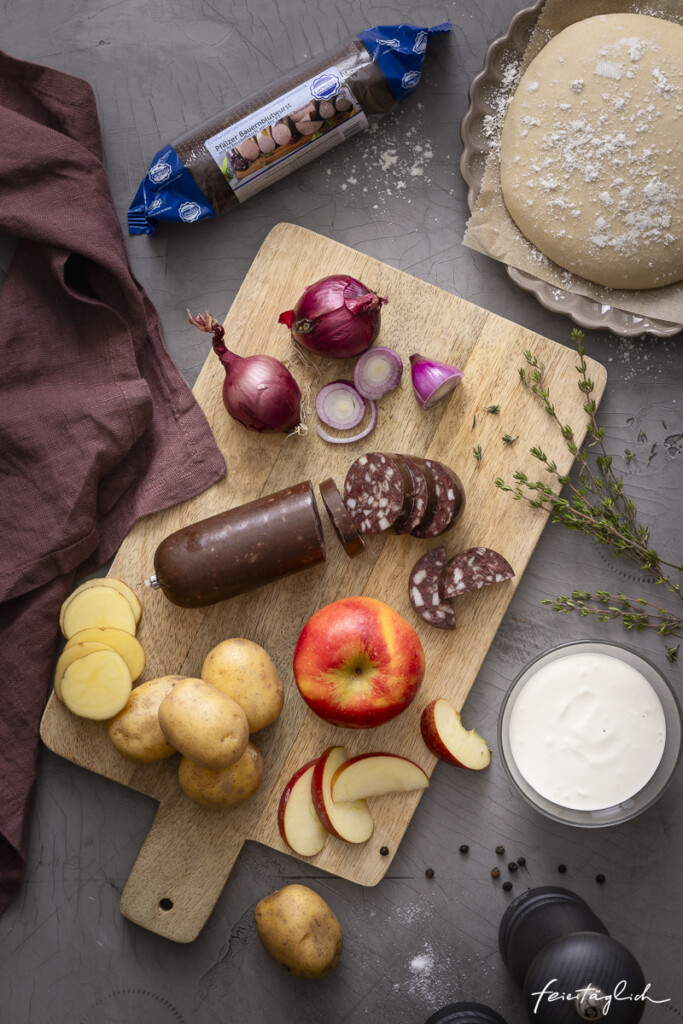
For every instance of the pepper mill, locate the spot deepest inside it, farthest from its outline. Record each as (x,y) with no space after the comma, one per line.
(465,1013)
(566,963)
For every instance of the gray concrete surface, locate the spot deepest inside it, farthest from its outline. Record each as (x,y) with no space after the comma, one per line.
(412,943)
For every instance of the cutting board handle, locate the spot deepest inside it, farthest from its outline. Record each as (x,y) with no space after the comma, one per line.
(181,870)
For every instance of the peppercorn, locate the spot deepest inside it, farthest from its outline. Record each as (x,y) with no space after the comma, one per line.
(384,851)
(507,886)
(600,879)
(464,848)
(521,861)
(512,866)
(495,873)
(429,873)
(500,850)
(562,868)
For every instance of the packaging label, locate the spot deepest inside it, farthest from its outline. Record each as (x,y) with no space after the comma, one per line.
(285,134)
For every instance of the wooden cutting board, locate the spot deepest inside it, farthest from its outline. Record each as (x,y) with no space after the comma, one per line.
(190,850)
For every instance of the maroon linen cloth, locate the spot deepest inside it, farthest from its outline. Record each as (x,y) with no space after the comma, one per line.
(97,426)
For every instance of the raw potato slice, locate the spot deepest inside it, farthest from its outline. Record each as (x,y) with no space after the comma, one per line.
(97,606)
(97,686)
(72,653)
(129,647)
(106,581)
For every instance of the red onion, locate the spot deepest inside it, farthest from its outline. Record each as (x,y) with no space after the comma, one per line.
(356,437)
(377,372)
(258,391)
(339,405)
(337,316)
(432,381)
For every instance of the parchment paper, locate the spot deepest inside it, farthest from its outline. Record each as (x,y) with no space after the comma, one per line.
(491,230)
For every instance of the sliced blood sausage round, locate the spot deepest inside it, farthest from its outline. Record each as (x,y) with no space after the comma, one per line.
(378,493)
(423,590)
(450,501)
(424,489)
(342,522)
(473,569)
(241,549)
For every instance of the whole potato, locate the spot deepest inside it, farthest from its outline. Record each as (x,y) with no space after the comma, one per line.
(135,731)
(246,673)
(204,724)
(222,787)
(299,930)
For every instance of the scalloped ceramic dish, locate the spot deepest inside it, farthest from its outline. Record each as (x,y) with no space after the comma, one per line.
(583,311)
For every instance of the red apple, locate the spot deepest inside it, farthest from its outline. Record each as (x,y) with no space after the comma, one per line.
(350,820)
(445,735)
(358,663)
(376,775)
(299,824)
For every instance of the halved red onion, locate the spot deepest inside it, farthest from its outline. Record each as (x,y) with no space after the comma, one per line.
(356,437)
(377,372)
(339,405)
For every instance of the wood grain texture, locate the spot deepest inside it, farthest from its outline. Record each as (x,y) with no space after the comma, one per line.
(189,851)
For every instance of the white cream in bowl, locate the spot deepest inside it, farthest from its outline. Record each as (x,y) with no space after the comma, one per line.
(587,731)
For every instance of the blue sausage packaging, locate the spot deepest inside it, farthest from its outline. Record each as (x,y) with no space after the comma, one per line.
(284,126)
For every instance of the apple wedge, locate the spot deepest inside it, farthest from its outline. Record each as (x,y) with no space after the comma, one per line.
(350,820)
(447,738)
(299,824)
(376,774)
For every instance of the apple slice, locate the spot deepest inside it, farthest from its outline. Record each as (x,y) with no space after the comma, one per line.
(299,824)
(376,775)
(445,735)
(350,820)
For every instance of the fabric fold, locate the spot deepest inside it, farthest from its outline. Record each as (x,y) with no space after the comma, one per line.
(97,426)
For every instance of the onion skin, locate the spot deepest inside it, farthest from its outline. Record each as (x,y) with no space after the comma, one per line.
(258,391)
(336,316)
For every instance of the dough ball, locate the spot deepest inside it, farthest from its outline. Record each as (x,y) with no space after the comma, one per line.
(591,163)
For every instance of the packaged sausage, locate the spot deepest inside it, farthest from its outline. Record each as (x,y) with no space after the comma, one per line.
(264,138)
(240,549)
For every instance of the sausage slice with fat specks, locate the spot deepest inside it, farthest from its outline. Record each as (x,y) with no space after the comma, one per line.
(450,501)
(473,569)
(423,590)
(424,485)
(378,493)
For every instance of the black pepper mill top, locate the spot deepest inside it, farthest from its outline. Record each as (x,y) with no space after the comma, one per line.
(568,965)
(465,1013)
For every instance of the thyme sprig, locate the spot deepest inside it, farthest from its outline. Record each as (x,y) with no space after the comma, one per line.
(633,613)
(595,505)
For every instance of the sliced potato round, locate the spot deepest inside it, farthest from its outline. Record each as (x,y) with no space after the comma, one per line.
(106,581)
(129,647)
(73,653)
(135,730)
(98,606)
(97,685)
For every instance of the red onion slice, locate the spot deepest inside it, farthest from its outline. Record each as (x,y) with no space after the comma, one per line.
(339,405)
(377,372)
(356,437)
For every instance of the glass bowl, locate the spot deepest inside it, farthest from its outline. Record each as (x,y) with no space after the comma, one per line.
(652,789)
